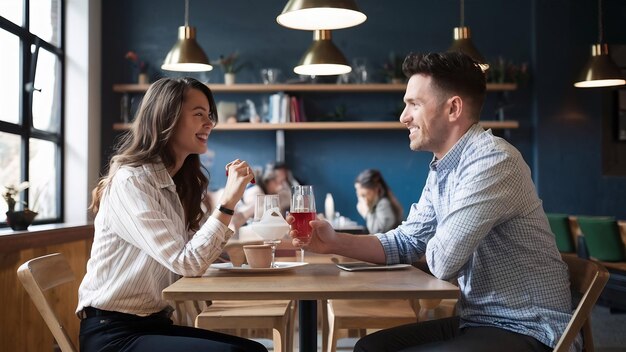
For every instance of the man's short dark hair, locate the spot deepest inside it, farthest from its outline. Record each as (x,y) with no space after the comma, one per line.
(453,73)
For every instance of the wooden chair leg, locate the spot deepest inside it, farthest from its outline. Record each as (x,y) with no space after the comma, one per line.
(332,331)
(588,337)
(325,333)
(289,324)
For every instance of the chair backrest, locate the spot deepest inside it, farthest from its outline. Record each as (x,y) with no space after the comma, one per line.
(602,237)
(39,275)
(588,279)
(559,224)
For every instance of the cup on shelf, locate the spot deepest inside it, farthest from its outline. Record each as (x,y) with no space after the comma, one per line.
(360,70)
(270,75)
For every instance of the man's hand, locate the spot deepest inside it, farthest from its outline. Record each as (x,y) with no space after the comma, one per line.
(323,236)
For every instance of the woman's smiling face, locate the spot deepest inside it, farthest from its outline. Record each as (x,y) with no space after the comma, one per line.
(194,126)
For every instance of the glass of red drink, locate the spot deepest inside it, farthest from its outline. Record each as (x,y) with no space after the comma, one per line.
(303,211)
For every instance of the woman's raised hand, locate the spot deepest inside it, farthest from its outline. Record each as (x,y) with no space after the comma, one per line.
(239,174)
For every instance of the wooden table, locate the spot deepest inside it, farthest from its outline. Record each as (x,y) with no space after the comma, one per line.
(308,284)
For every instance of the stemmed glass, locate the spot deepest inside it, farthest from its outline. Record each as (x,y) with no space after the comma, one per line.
(303,210)
(360,70)
(271,227)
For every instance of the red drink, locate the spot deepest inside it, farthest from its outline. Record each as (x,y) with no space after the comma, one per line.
(301,224)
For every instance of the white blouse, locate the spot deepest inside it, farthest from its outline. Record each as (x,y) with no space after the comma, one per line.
(141,244)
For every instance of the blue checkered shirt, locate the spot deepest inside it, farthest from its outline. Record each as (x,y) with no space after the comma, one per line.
(479,220)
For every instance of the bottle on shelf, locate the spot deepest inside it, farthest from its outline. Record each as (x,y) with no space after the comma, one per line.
(125,108)
(329,207)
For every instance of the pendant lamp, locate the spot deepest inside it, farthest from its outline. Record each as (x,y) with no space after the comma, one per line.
(322,58)
(186,55)
(320,14)
(463,42)
(600,70)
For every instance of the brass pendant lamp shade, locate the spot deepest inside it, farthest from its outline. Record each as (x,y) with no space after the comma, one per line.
(186,55)
(463,43)
(320,14)
(322,58)
(600,70)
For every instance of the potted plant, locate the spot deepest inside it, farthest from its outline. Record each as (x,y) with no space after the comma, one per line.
(18,220)
(392,68)
(506,71)
(141,66)
(230,66)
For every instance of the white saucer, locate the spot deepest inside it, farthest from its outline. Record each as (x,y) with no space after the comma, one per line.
(279,266)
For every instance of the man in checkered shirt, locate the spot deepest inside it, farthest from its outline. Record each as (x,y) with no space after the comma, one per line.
(479,221)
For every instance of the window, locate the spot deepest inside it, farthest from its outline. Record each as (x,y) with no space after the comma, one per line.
(31,96)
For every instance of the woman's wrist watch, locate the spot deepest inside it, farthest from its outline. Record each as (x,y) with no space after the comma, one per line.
(225,210)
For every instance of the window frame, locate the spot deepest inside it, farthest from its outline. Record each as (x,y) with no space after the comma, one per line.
(24,128)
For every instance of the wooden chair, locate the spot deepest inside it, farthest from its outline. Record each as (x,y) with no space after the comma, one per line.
(39,275)
(277,315)
(363,314)
(587,278)
(378,314)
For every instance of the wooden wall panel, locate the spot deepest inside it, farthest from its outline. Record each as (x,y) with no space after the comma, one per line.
(21,327)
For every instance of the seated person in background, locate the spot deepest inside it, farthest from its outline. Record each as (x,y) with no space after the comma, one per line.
(478,220)
(282,181)
(275,182)
(376,203)
(284,174)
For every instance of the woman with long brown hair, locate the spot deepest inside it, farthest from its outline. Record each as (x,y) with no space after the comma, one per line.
(376,202)
(150,226)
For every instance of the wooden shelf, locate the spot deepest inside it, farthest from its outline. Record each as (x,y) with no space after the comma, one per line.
(386,125)
(269,88)
(328,88)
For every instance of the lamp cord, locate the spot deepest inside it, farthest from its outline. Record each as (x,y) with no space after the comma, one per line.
(600,29)
(462,13)
(186,13)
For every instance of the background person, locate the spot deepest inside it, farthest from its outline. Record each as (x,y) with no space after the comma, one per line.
(376,203)
(280,179)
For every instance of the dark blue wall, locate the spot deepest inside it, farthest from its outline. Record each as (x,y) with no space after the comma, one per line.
(569,120)
(522,31)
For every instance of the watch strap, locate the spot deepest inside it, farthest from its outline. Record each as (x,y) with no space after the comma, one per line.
(225,210)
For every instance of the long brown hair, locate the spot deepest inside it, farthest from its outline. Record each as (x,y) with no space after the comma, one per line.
(373,179)
(148,142)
